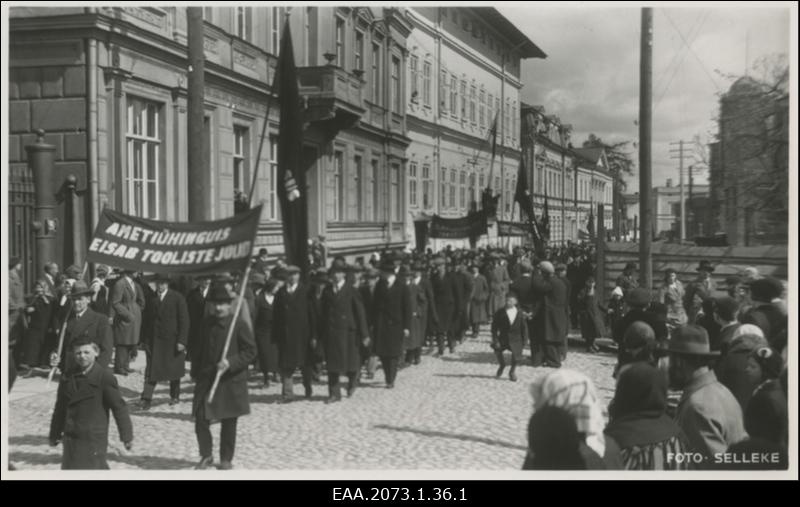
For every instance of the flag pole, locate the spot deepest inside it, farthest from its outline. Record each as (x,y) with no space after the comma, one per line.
(231,328)
(64,330)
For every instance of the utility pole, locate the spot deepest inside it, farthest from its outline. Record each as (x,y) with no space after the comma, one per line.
(198,175)
(679,156)
(645,131)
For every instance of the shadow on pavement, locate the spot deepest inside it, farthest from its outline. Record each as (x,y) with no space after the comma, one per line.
(276,398)
(151,462)
(162,415)
(456,436)
(472,357)
(34,458)
(462,375)
(29,440)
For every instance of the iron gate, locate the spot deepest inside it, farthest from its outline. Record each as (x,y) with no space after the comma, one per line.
(21,242)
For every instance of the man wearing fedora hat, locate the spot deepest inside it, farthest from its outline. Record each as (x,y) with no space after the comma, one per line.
(701,289)
(85,323)
(707,413)
(393,320)
(447,297)
(231,399)
(166,345)
(550,322)
(127,303)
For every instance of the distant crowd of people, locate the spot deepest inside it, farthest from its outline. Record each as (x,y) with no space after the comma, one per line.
(724,353)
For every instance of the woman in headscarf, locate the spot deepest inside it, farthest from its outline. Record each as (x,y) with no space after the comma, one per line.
(553,441)
(648,438)
(574,392)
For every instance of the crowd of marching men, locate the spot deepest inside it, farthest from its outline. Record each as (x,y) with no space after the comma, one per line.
(725,356)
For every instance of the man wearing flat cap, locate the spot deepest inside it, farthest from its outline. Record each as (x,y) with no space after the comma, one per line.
(231,399)
(84,323)
(166,345)
(343,330)
(708,413)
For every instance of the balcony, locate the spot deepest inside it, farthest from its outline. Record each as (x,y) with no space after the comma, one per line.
(334,96)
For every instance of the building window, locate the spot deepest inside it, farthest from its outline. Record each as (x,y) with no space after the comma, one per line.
(413,64)
(427,69)
(482,109)
(462,90)
(443,190)
(376,191)
(396,99)
(471,194)
(339,42)
(462,190)
(452,188)
(490,110)
(144,158)
(274,209)
(241,158)
(397,209)
(412,184)
(275,29)
(359,54)
(453,95)
(244,23)
(514,122)
(338,186)
(307,35)
(358,161)
(472,103)
(426,186)
(376,73)
(507,198)
(506,117)
(443,92)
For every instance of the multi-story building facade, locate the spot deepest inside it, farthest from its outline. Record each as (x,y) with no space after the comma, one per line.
(666,206)
(109,87)
(463,71)
(749,164)
(573,181)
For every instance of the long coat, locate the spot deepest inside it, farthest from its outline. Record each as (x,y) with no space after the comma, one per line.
(478,298)
(498,287)
(127,304)
(39,327)
(81,415)
(294,326)
(590,315)
(509,335)
(368,302)
(447,295)
(170,328)
(231,399)
(265,344)
(93,325)
(100,302)
(551,321)
(466,296)
(343,326)
(394,315)
(418,296)
(196,304)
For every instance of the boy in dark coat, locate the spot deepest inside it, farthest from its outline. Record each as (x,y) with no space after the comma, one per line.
(86,394)
(231,399)
(509,329)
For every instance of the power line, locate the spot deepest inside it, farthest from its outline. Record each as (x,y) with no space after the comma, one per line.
(692,51)
(683,53)
(678,53)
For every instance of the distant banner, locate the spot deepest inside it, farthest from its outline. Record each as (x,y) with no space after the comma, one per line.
(470,226)
(128,242)
(513,229)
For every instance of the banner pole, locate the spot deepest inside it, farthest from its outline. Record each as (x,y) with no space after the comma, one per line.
(64,330)
(230,329)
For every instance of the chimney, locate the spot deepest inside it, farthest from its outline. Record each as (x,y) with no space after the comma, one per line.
(669,182)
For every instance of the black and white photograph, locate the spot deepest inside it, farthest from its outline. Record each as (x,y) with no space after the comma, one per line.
(399,241)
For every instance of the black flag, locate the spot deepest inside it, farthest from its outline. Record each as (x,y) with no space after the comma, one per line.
(291,184)
(523,197)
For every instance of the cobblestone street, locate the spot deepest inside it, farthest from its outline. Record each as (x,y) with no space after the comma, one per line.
(447,413)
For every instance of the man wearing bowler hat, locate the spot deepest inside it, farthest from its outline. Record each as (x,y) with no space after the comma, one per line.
(166,345)
(707,413)
(231,399)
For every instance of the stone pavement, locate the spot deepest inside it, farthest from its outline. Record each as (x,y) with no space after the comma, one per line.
(447,413)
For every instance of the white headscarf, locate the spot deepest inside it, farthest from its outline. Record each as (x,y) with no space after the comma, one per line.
(746,329)
(574,392)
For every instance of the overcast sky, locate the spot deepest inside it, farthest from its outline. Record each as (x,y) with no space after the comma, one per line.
(590,77)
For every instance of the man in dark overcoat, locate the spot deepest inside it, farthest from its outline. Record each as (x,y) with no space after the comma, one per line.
(295,332)
(196,304)
(393,324)
(127,303)
(447,294)
(550,320)
(367,293)
(166,345)
(262,328)
(84,322)
(86,394)
(231,399)
(343,328)
(422,309)
(509,332)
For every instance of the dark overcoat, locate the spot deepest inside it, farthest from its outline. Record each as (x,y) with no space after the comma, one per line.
(394,315)
(231,399)
(127,304)
(418,297)
(265,344)
(371,316)
(590,315)
(294,326)
(196,305)
(550,321)
(94,326)
(509,335)
(478,298)
(466,296)
(170,328)
(80,418)
(343,326)
(448,297)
